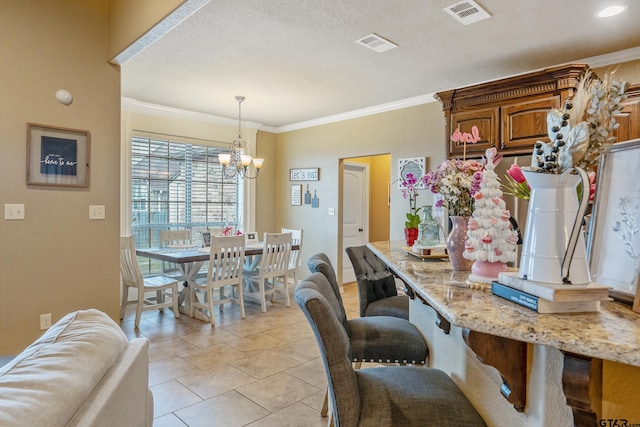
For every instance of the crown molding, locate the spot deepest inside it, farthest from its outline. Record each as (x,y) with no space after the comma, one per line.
(148,109)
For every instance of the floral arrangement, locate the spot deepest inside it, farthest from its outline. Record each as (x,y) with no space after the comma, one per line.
(410,191)
(516,184)
(581,131)
(228,231)
(457,181)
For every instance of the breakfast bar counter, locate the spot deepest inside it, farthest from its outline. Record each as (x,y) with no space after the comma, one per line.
(550,365)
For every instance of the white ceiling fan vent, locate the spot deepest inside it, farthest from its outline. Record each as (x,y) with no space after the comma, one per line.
(467,12)
(377,43)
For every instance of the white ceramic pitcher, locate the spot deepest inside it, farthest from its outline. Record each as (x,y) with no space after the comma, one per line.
(553,250)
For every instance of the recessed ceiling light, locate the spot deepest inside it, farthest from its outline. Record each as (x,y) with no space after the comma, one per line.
(611,10)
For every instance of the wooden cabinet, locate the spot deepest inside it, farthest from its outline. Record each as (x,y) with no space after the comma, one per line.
(511,113)
(629,117)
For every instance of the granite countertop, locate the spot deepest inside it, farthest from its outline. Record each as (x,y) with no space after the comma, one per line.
(611,334)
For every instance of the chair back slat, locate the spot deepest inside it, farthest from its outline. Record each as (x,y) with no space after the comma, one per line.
(275,254)
(129,267)
(175,237)
(226,260)
(296,239)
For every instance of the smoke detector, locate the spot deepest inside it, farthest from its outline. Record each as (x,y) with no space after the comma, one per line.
(377,43)
(467,12)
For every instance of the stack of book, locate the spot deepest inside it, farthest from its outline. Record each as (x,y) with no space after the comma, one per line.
(548,297)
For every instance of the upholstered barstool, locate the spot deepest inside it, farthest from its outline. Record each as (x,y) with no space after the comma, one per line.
(383,396)
(377,291)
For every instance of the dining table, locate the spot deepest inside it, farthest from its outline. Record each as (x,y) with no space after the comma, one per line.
(190,260)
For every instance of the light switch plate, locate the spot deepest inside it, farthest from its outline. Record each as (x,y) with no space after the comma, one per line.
(13,211)
(332,211)
(96,212)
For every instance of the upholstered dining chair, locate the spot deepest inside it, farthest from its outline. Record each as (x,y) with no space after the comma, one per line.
(225,271)
(271,273)
(377,293)
(381,339)
(132,278)
(383,396)
(295,261)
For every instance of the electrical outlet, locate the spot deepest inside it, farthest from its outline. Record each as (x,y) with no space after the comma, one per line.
(45,321)
(96,212)
(13,211)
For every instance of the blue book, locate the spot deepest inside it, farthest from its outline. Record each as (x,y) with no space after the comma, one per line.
(542,305)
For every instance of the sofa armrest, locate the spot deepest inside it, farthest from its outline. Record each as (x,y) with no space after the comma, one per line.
(122,397)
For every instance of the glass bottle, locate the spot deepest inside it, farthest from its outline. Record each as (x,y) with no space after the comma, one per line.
(429,229)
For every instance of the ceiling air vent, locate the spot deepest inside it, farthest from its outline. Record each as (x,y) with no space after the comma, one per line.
(377,43)
(467,12)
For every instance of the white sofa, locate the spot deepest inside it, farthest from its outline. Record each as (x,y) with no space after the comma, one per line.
(83,371)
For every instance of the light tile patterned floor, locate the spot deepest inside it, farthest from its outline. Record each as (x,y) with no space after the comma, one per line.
(264,370)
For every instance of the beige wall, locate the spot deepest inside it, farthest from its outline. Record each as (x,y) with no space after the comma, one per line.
(56,260)
(410,132)
(130,20)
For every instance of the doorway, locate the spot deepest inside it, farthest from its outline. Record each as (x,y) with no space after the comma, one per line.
(364,206)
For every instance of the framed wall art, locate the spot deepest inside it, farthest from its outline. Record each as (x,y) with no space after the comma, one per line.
(296,194)
(57,156)
(415,166)
(614,235)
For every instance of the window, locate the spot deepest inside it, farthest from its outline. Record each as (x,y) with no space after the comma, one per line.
(177,185)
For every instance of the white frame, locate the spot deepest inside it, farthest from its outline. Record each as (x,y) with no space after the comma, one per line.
(251,237)
(414,165)
(618,177)
(296,194)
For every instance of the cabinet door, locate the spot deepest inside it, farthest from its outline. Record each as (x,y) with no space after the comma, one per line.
(629,121)
(487,123)
(525,123)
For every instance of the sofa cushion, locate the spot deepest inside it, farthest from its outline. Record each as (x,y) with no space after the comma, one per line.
(49,381)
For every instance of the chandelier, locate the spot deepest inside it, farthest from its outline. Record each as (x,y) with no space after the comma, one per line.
(238,161)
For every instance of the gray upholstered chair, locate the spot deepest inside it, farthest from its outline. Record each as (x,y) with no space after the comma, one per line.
(386,396)
(384,339)
(377,291)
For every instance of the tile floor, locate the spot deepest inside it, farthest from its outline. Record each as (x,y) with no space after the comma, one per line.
(264,370)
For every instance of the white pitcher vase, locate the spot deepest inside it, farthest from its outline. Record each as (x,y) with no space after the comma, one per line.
(553,250)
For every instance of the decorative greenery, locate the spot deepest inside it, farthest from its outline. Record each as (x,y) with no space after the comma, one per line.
(605,101)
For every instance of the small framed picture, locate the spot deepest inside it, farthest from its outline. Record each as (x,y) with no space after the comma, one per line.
(614,237)
(251,237)
(57,156)
(296,194)
(206,239)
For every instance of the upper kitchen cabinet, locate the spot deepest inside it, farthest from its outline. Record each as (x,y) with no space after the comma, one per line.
(511,113)
(629,117)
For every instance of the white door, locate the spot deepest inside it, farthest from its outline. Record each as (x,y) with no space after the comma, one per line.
(355,212)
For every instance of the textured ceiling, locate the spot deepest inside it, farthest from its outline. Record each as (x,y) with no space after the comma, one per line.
(297,60)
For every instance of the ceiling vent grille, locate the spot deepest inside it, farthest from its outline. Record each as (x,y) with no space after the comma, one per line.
(377,43)
(467,12)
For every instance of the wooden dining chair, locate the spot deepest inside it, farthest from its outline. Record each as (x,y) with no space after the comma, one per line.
(170,238)
(226,263)
(132,278)
(294,259)
(175,237)
(271,272)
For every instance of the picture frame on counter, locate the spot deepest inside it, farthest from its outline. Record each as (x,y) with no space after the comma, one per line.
(58,156)
(614,235)
(308,174)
